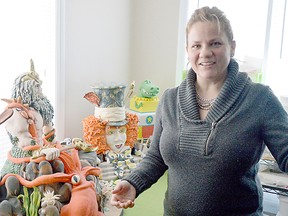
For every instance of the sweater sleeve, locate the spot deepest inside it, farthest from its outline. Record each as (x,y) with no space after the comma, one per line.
(152,167)
(275,130)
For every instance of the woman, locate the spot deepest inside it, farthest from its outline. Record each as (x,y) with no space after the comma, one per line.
(210,131)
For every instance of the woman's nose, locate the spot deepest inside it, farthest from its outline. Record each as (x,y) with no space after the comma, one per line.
(205,52)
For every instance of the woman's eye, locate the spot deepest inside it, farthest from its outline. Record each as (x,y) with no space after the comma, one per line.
(196,46)
(216,44)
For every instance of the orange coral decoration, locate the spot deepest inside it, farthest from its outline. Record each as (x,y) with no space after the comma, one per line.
(132,129)
(94,132)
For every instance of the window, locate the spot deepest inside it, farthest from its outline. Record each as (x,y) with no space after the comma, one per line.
(260,30)
(277,55)
(28,31)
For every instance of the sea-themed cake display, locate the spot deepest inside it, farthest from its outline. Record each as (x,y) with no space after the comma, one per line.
(144,105)
(113,131)
(41,176)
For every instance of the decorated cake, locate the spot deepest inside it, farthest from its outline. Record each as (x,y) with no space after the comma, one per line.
(144,105)
(41,176)
(113,131)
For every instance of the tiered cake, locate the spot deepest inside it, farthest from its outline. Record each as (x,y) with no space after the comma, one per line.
(144,105)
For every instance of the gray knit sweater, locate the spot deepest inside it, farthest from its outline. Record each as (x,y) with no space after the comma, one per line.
(212,164)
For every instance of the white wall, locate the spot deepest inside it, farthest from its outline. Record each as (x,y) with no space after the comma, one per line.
(113,40)
(154,25)
(96,50)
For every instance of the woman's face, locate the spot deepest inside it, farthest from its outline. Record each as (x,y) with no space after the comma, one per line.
(116,137)
(209,50)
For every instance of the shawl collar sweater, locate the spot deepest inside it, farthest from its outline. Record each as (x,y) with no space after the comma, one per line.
(232,88)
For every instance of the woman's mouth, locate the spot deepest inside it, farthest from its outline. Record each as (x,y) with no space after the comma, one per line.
(206,63)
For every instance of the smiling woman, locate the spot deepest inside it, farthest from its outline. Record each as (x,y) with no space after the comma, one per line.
(28,31)
(262,52)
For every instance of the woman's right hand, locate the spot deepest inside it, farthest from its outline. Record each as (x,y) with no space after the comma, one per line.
(123,195)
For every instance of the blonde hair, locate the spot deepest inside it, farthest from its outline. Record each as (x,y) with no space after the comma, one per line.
(207,14)
(94,132)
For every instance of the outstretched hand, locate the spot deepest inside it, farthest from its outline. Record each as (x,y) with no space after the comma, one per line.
(123,195)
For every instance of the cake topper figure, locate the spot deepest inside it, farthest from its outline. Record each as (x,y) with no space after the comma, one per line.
(35,162)
(28,87)
(147,89)
(111,129)
(28,106)
(146,99)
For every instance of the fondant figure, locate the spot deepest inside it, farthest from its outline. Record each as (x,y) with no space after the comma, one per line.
(28,106)
(113,131)
(28,87)
(147,89)
(40,176)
